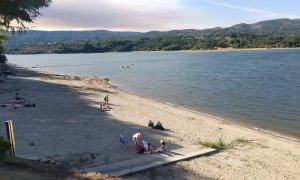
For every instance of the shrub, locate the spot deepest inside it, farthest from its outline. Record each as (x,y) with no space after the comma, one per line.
(4,147)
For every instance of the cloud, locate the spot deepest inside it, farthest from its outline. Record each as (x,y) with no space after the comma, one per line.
(122,15)
(146,15)
(147,4)
(268,14)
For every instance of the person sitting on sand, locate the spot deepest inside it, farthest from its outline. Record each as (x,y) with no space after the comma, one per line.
(162,148)
(101,106)
(159,126)
(17,97)
(150,124)
(148,148)
(106,99)
(138,145)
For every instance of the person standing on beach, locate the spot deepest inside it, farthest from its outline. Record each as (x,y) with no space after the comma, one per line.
(106,99)
(138,145)
(136,138)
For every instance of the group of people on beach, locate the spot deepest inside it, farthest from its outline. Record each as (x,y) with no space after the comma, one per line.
(142,146)
(104,106)
(17,102)
(158,125)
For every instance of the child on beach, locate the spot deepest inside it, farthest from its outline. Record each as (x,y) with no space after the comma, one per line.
(162,148)
(101,106)
(104,107)
(106,99)
(148,147)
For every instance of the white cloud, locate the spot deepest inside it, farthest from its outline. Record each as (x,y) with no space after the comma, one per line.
(267,14)
(147,4)
(128,4)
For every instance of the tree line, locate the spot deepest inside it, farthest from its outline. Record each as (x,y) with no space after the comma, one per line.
(163,42)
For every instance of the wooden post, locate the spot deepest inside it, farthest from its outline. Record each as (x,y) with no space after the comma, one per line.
(10,137)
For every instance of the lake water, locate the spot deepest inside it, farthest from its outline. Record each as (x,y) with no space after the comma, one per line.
(258,88)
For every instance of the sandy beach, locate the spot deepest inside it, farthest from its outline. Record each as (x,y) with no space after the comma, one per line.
(66,126)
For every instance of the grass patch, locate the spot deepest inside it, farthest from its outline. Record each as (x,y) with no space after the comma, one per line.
(241,141)
(218,145)
(4,147)
(238,142)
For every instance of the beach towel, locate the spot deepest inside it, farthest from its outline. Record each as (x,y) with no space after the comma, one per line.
(15,103)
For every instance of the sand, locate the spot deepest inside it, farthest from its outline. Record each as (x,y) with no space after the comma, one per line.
(66,126)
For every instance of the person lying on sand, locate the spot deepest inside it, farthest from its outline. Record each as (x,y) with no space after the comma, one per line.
(17,102)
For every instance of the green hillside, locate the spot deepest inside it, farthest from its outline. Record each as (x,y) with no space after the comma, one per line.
(280,33)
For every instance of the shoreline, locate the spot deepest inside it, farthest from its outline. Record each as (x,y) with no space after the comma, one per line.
(246,125)
(67,127)
(233,49)
(187,51)
(218,118)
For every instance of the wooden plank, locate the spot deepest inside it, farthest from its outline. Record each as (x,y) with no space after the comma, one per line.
(150,161)
(10,137)
(136,169)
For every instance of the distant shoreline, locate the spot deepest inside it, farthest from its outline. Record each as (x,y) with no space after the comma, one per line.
(233,49)
(203,50)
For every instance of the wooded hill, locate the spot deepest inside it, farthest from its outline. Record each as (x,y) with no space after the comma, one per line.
(280,33)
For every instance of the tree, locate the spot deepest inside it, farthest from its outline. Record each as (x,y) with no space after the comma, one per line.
(3,37)
(20,12)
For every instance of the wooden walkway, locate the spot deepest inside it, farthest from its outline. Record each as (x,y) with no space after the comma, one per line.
(150,161)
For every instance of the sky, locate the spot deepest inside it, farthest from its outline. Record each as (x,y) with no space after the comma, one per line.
(161,15)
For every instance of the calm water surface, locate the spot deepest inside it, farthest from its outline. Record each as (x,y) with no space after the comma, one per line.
(259,88)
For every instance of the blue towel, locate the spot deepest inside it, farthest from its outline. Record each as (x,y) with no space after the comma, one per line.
(122,140)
